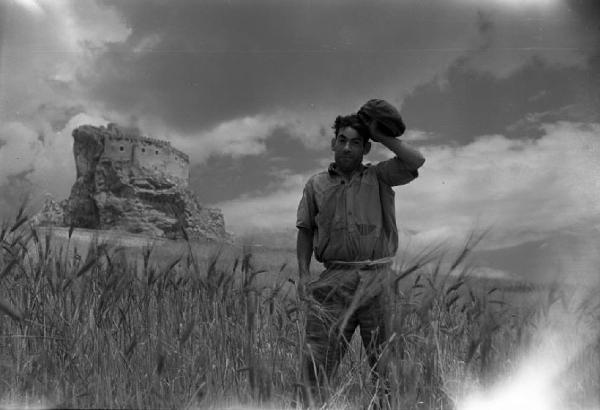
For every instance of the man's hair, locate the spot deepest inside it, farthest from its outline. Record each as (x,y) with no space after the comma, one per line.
(352,120)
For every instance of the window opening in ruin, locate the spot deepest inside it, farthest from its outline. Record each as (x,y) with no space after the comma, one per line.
(156,152)
(121,148)
(143,149)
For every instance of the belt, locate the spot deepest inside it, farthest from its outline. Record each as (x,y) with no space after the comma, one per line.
(362,265)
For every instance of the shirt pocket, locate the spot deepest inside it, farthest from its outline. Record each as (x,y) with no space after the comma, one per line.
(366,212)
(365,229)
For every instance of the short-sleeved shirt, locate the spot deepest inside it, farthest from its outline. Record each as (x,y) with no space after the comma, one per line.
(353,220)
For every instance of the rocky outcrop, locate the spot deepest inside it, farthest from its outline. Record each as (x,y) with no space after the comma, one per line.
(51,214)
(135,184)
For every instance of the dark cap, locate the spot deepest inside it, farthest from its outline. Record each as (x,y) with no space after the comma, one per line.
(385,114)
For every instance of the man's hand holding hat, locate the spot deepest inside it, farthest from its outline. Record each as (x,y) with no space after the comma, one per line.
(385,124)
(382,118)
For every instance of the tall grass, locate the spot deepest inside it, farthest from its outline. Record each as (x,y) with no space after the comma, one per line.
(115,330)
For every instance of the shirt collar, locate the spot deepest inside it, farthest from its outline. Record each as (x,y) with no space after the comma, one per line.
(333,169)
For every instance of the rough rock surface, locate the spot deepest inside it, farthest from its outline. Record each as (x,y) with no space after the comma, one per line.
(118,191)
(51,214)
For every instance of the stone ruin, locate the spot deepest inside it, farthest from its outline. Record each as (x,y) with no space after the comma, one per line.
(131,183)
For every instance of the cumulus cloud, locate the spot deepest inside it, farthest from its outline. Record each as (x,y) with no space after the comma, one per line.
(20,148)
(272,212)
(221,61)
(31,5)
(512,33)
(239,137)
(41,157)
(46,46)
(54,167)
(275,211)
(43,52)
(521,189)
(471,103)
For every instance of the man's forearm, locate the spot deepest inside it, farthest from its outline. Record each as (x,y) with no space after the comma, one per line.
(304,247)
(407,154)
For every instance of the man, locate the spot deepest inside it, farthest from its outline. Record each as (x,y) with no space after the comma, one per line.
(347,218)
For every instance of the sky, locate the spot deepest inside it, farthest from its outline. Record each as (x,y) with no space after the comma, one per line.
(502,97)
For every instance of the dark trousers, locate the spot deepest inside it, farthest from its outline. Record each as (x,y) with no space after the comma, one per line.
(345,298)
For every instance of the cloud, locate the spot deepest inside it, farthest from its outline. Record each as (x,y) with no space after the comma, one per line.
(224,177)
(31,5)
(472,103)
(522,189)
(45,47)
(19,149)
(37,160)
(223,61)
(44,52)
(513,33)
(239,137)
(275,211)
(54,167)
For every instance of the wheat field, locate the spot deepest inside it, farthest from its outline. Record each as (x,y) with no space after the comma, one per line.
(113,327)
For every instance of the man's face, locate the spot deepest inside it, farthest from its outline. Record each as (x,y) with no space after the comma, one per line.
(348,148)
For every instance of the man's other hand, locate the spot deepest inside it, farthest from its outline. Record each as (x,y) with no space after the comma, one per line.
(301,290)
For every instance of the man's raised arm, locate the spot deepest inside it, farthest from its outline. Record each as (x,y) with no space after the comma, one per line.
(385,124)
(407,154)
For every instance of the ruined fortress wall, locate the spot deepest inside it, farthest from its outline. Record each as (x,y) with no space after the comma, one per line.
(118,149)
(149,153)
(162,157)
